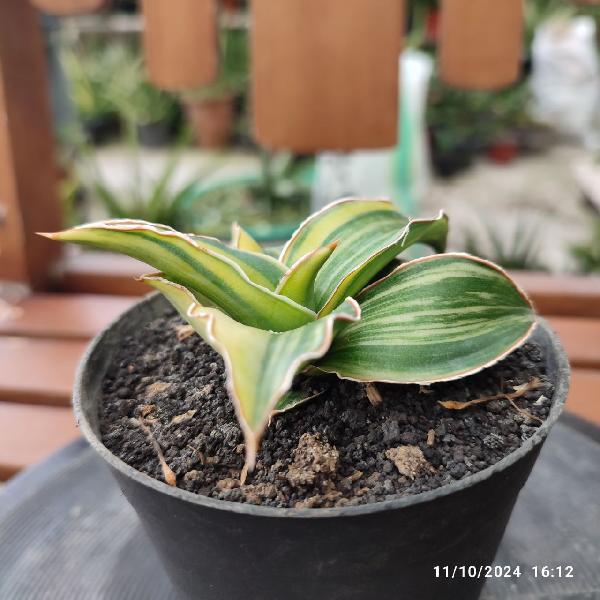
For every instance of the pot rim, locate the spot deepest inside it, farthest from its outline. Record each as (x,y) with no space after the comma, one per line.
(561,388)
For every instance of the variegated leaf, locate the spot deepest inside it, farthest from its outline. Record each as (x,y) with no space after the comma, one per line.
(291,400)
(242,240)
(298,283)
(205,271)
(370,233)
(348,271)
(260,364)
(260,268)
(436,318)
(337,221)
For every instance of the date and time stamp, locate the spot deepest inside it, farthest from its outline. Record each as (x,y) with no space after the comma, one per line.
(503,571)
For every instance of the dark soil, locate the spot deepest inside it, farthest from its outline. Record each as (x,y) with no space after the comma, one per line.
(338,449)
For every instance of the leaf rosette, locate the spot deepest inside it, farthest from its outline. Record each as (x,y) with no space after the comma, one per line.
(326,304)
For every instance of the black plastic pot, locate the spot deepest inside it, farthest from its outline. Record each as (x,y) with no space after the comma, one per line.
(217,550)
(103,129)
(154,135)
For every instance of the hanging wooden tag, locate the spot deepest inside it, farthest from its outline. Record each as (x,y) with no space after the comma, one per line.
(69,7)
(325,74)
(481,43)
(180,42)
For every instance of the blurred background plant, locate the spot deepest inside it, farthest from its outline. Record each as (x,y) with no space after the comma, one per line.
(206,170)
(270,203)
(92,71)
(587,254)
(518,251)
(211,109)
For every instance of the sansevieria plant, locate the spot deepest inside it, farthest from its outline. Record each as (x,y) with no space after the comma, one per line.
(324,304)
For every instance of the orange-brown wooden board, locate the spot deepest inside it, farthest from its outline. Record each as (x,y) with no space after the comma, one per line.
(581,339)
(325,74)
(569,295)
(38,371)
(584,396)
(105,273)
(69,7)
(28,174)
(180,42)
(69,316)
(30,433)
(481,42)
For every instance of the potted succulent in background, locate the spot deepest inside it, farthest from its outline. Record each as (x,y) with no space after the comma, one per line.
(463,124)
(211,109)
(151,112)
(155,113)
(90,71)
(351,487)
(273,201)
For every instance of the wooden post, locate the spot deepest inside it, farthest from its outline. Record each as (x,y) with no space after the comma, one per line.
(69,7)
(181,43)
(481,43)
(325,73)
(28,174)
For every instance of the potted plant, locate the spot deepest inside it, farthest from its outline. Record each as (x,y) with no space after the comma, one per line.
(89,71)
(155,113)
(358,486)
(151,112)
(273,200)
(211,109)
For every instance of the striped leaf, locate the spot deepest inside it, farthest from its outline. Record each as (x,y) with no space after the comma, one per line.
(260,268)
(298,283)
(204,270)
(436,318)
(361,257)
(335,222)
(242,240)
(260,364)
(370,233)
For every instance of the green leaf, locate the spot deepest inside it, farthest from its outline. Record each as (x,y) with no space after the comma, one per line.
(242,240)
(370,233)
(291,400)
(436,318)
(260,364)
(336,221)
(202,270)
(350,269)
(298,283)
(260,268)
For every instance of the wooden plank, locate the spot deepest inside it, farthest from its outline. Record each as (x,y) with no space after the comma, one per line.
(581,339)
(28,434)
(104,273)
(569,295)
(28,174)
(38,371)
(180,41)
(325,74)
(69,7)
(480,42)
(62,316)
(584,396)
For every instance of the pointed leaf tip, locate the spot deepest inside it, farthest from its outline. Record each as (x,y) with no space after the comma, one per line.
(207,268)
(242,240)
(298,283)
